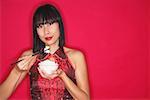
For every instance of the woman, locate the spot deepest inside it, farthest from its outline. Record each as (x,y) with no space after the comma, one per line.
(69,81)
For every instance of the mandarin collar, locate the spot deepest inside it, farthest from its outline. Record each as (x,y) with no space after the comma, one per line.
(59,52)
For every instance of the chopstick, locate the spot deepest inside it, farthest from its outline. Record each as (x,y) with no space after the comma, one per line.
(38,52)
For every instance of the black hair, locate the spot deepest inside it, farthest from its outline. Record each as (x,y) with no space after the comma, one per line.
(46,14)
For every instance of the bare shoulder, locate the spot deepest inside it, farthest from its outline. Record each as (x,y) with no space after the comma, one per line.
(75,55)
(27,52)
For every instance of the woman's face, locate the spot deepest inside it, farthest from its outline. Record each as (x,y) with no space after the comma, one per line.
(49,34)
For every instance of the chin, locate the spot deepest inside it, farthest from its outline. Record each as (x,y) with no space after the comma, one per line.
(48,42)
(51,42)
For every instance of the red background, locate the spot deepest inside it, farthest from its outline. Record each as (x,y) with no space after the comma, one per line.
(113,34)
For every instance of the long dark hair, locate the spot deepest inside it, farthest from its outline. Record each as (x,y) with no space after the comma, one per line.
(46,14)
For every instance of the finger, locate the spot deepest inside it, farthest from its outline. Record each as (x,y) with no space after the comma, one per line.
(33,60)
(59,71)
(24,64)
(55,72)
(24,57)
(41,73)
(29,59)
(20,65)
(29,54)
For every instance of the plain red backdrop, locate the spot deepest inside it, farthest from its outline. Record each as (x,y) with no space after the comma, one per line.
(113,34)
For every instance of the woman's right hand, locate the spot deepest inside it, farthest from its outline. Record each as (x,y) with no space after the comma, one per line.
(27,61)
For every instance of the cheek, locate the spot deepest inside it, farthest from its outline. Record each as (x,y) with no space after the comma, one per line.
(40,33)
(57,35)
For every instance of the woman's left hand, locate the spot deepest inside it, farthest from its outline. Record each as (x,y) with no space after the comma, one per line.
(58,73)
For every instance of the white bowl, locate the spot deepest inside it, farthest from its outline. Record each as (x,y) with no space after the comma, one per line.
(48,66)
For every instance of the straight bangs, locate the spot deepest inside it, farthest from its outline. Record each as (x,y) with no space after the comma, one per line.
(44,16)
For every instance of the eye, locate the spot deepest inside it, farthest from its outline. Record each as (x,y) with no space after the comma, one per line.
(40,26)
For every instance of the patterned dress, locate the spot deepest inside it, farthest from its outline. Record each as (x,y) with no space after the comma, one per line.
(54,89)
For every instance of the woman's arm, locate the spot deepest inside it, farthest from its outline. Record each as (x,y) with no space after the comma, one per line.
(10,84)
(81,90)
(16,75)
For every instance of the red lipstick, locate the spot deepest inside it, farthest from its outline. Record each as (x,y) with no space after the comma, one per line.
(48,38)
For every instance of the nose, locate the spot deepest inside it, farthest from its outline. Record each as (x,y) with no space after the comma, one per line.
(46,31)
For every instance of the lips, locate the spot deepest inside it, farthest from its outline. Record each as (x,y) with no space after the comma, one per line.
(48,38)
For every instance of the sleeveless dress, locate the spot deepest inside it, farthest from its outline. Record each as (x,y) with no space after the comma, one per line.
(54,89)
